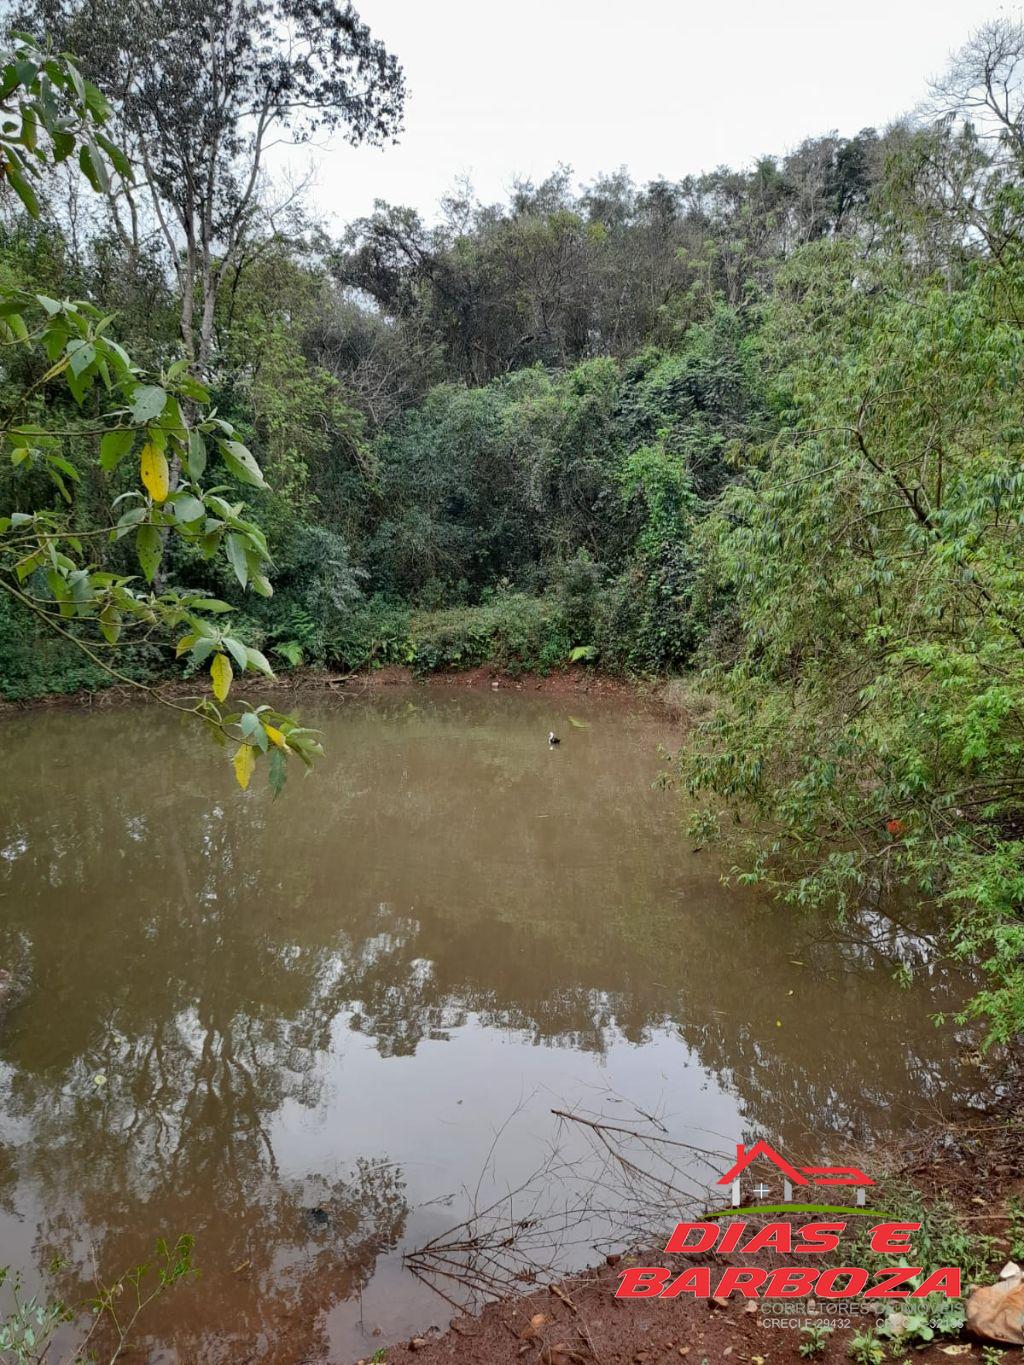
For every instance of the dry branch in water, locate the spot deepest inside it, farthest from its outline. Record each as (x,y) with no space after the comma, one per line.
(604,1184)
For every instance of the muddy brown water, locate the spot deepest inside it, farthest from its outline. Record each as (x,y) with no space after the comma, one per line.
(322,1026)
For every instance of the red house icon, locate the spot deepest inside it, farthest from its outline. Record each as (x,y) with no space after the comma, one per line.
(792,1175)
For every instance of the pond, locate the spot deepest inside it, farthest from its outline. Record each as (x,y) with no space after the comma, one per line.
(312,1032)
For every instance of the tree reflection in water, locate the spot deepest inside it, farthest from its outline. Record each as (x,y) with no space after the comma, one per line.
(443,875)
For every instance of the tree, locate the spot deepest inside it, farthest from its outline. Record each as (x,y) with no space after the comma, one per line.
(984,83)
(871,729)
(201,90)
(48,564)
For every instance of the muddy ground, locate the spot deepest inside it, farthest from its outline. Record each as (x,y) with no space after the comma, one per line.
(976,1165)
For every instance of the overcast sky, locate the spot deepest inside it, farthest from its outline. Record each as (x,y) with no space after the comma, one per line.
(663,87)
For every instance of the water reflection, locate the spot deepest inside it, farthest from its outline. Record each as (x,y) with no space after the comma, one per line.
(329,1002)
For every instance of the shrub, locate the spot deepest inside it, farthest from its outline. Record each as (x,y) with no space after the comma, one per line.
(512,631)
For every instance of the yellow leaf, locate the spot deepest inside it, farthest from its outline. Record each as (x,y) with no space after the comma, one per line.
(154,472)
(244,764)
(276,737)
(221,675)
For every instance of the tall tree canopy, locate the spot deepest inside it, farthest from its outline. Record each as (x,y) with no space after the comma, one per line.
(201,90)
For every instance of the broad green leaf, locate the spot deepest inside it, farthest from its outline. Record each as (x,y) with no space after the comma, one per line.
(202,649)
(234,547)
(110,623)
(241,463)
(148,402)
(118,160)
(277,771)
(249,724)
(149,548)
(237,651)
(82,355)
(22,189)
(93,168)
(130,519)
(188,508)
(196,459)
(114,446)
(209,604)
(258,662)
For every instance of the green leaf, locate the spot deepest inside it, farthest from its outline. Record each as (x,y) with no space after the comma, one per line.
(129,519)
(110,623)
(237,651)
(148,402)
(241,463)
(114,446)
(202,649)
(149,548)
(258,662)
(63,145)
(210,604)
(22,189)
(188,508)
(277,771)
(96,102)
(234,546)
(118,160)
(93,168)
(196,459)
(82,356)
(29,127)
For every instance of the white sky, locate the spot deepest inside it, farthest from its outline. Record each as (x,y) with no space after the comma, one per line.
(664,87)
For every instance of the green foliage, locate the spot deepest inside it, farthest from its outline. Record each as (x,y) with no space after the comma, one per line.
(372,634)
(943,1240)
(552,480)
(936,1316)
(513,632)
(55,113)
(1016,1229)
(50,566)
(865,1348)
(28,1325)
(27,1329)
(814,1339)
(870,730)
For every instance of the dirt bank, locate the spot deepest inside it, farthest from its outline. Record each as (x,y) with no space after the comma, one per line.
(670,695)
(977,1166)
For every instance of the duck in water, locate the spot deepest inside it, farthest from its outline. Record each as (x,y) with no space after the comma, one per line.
(553,739)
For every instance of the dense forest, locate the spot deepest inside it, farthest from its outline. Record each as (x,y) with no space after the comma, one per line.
(760,425)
